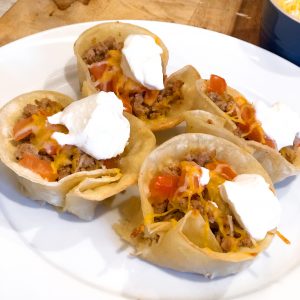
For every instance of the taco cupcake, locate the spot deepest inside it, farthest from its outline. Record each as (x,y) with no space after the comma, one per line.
(131,62)
(62,155)
(201,212)
(270,133)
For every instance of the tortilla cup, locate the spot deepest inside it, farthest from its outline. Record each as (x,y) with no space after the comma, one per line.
(99,33)
(188,75)
(273,162)
(185,245)
(206,104)
(79,192)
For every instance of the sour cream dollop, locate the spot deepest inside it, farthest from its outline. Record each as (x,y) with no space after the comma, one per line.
(96,125)
(254,205)
(205,177)
(279,122)
(141,61)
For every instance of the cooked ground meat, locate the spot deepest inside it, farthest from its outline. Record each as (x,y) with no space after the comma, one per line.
(64,171)
(85,162)
(168,96)
(201,158)
(78,160)
(224,102)
(226,243)
(44,155)
(99,52)
(46,105)
(29,110)
(160,208)
(25,148)
(175,214)
(246,242)
(196,204)
(139,108)
(210,216)
(171,88)
(174,170)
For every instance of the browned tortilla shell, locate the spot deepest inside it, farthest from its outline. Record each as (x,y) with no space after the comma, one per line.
(100,33)
(78,192)
(273,162)
(186,245)
(120,31)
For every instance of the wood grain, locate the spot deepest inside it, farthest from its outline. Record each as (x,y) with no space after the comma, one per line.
(216,15)
(30,16)
(247,25)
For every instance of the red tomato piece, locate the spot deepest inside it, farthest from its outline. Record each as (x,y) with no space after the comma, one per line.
(217,84)
(222,168)
(97,69)
(269,142)
(51,147)
(127,105)
(163,187)
(57,127)
(39,166)
(23,128)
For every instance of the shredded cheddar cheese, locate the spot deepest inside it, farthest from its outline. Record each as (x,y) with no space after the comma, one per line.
(242,113)
(113,79)
(191,195)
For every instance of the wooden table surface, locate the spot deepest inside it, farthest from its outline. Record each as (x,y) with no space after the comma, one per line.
(239,18)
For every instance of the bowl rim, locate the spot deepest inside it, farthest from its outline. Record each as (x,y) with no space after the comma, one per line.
(276,5)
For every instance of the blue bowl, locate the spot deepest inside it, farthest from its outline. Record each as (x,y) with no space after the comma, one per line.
(280,33)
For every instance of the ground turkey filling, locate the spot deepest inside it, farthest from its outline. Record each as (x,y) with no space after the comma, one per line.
(36,143)
(103,61)
(243,114)
(187,195)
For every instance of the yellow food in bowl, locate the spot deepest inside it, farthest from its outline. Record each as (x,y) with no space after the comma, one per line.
(292,7)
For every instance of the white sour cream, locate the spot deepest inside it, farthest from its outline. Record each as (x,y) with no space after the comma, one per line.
(96,125)
(141,61)
(279,122)
(254,205)
(205,177)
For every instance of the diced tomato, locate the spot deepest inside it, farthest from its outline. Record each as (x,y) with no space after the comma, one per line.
(111,163)
(51,147)
(108,86)
(163,187)
(257,134)
(217,84)
(23,128)
(57,127)
(269,142)
(150,97)
(39,166)
(222,168)
(97,69)
(248,113)
(127,105)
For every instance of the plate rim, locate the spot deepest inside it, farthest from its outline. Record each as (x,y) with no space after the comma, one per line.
(71,26)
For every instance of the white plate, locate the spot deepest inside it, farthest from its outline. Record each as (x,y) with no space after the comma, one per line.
(45,255)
